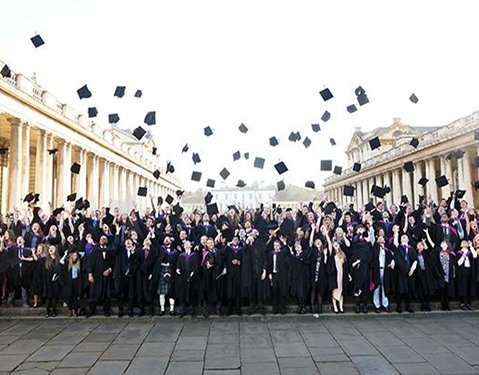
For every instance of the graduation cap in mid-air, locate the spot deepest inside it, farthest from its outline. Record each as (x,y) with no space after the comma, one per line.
(196,158)
(138,94)
(309,184)
(374,143)
(281,167)
(156,174)
(332,141)
(423,181)
(351,108)
(378,191)
(326,165)
(306,142)
(273,141)
(52,151)
(212,209)
(293,137)
(441,181)
(413,98)
(210,183)
(240,184)
(37,41)
(208,131)
(6,72)
(348,190)
(83,92)
(113,118)
(170,167)
(337,169)
(169,199)
(119,91)
(153,150)
(224,173)
(185,149)
(196,176)
(92,112)
(259,162)
(71,197)
(30,197)
(139,133)
(409,166)
(326,94)
(243,129)
(357,167)
(142,191)
(208,198)
(460,193)
(75,168)
(150,118)
(326,116)
(280,185)
(316,127)
(236,156)
(414,142)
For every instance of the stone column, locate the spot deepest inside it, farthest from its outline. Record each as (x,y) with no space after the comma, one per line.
(81,187)
(63,172)
(446,171)
(41,169)
(25,187)
(123,202)
(416,188)
(93,191)
(396,187)
(365,191)
(431,176)
(105,178)
(48,197)
(359,195)
(465,176)
(116,185)
(15,198)
(131,188)
(406,185)
(387,182)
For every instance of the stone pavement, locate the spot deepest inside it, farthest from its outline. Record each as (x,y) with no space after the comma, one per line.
(384,344)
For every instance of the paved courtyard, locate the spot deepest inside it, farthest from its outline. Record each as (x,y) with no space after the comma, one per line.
(287,345)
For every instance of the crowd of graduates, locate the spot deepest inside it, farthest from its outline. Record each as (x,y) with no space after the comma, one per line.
(208,262)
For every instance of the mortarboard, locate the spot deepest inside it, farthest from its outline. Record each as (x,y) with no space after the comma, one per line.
(293,137)
(236,156)
(139,132)
(241,184)
(329,208)
(179,193)
(37,41)
(316,127)
(413,98)
(458,154)
(150,118)
(326,165)
(259,162)
(326,116)
(92,112)
(460,194)
(378,191)
(414,142)
(441,181)
(208,198)
(281,167)
(332,141)
(170,167)
(224,173)
(169,199)
(177,209)
(210,183)
(404,199)
(156,174)
(423,181)
(185,148)
(280,185)
(348,190)
(298,135)
(212,209)
(79,204)
(309,184)
(113,118)
(357,167)
(409,166)
(138,94)
(243,129)
(71,197)
(246,155)
(52,151)
(57,211)
(351,108)
(196,158)
(337,170)
(359,91)
(196,176)
(119,91)
(3,150)
(363,99)
(86,204)
(142,190)
(307,142)
(6,72)
(83,92)
(273,141)
(159,201)
(369,207)
(153,150)
(374,143)
(208,131)
(75,168)
(326,94)
(29,198)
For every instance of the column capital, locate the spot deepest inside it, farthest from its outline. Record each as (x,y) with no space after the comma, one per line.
(14,121)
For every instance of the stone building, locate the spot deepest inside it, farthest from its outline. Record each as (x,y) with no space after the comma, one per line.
(113,163)
(435,155)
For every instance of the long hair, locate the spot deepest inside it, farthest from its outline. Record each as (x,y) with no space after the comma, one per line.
(70,263)
(340,253)
(49,260)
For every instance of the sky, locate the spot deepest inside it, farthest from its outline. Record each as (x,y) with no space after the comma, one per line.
(261,63)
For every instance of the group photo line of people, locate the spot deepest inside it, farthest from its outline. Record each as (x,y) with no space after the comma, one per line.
(166,260)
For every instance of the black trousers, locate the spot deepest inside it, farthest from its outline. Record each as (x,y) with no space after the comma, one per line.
(445,295)
(279,295)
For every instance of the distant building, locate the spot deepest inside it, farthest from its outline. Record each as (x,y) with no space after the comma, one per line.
(434,156)
(246,198)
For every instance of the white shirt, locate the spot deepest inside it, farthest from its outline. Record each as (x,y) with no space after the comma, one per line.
(275,270)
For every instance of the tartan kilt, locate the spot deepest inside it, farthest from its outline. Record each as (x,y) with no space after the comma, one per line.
(164,285)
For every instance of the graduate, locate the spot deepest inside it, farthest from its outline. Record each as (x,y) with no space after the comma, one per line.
(50,275)
(338,276)
(208,270)
(20,271)
(278,275)
(383,265)
(164,268)
(187,274)
(233,257)
(318,275)
(70,281)
(254,277)
(405,258)
(359,267)
(466,278)
(299,264)
(146,290)
(447,261)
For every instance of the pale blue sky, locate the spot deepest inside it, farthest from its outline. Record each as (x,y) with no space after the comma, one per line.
(220,63)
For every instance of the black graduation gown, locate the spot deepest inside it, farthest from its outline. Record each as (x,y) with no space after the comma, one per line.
(404,284)
(254,262)
(438,236)
(125,273)
(332,274)
(165,256)
(233,271)
(71,287)
(300,275)
(319,274)
(100,260)
(186,285)
(466,278)
(361,250)
(452,271)
(281,276)
(19,273)
(145,288)
(208,274)
(50,279)
(388,272)
(427,281)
